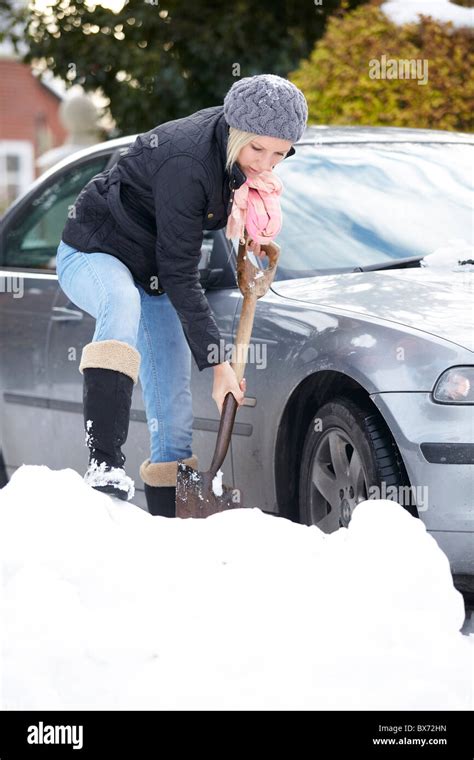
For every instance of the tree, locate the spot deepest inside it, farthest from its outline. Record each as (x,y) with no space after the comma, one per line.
(162,60)
(337,76)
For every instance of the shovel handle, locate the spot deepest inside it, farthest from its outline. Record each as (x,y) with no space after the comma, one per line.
(244,332)
(229,409)
(246,272)
(230,405)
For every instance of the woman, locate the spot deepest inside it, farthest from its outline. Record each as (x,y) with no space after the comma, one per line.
(129,256)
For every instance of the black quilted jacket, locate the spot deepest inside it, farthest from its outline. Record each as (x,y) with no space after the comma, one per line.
(150,209)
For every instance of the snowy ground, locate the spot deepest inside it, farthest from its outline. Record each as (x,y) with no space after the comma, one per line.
(406,11)
(106,607)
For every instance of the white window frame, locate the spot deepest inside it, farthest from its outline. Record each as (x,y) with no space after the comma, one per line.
(25,175)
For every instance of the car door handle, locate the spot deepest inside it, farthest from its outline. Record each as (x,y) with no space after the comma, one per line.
(63,314)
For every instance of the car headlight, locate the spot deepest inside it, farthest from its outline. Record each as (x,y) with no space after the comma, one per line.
(455,386)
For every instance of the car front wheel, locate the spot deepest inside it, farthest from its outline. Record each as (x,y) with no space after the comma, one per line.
(348,450)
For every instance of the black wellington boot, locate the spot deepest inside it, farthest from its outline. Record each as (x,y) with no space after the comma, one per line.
(110,370)
(160,485)
(161,500)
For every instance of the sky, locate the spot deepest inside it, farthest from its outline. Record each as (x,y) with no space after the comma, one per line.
(105,607)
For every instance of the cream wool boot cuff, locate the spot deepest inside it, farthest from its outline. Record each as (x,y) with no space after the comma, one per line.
(111,354)
(164,473)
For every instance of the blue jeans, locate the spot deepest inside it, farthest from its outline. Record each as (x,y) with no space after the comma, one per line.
(103,286)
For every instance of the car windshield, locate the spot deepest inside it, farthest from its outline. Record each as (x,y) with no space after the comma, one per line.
(354,205)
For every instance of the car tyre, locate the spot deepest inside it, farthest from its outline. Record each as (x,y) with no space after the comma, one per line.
(347,450)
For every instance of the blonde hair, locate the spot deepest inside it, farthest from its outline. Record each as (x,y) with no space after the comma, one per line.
(238,139)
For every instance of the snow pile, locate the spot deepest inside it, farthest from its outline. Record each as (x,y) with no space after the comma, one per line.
(217,483)
(106,607)
(456,255)
(406,11)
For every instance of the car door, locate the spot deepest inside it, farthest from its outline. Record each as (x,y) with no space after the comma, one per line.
(28,294)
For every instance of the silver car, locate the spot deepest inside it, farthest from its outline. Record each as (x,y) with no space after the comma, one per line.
(360,374)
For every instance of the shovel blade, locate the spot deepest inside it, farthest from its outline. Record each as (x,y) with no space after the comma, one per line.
(195,497)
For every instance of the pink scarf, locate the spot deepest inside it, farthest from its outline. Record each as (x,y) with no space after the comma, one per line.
(256,208)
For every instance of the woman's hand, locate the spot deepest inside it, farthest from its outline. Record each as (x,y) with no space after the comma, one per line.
(225,380)
(255,248)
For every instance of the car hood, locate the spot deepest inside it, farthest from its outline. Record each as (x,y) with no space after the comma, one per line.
(436,301)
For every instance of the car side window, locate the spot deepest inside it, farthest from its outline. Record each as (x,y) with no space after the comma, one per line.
(33,235)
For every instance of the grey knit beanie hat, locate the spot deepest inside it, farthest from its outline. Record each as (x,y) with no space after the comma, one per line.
(267,104)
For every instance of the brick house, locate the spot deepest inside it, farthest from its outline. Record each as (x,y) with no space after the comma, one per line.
(29,125)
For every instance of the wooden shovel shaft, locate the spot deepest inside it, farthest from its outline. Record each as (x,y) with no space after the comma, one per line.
(252,289)
(229,409)
(230,405)
(244,333)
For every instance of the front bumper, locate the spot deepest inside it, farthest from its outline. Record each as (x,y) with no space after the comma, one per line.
(446,483)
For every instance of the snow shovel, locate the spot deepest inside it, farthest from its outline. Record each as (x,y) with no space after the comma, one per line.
(195,495)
